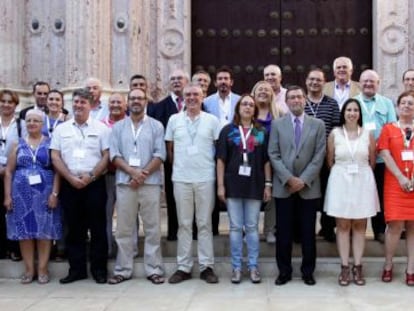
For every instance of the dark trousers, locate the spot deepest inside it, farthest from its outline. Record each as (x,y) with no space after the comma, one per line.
(85,210)
(286,211)
(378,221)
(171,207)
(6,246)
(328,223)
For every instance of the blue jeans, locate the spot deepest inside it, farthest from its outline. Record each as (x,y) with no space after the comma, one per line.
(244,213)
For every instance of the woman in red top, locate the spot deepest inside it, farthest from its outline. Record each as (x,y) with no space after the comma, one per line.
(396,147)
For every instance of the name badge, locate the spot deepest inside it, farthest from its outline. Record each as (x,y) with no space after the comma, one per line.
(3,160)
(133,161)
(370,126)
(34,179)
(407,155)
(352,168)
(79,153)
(192,150)
(245,170)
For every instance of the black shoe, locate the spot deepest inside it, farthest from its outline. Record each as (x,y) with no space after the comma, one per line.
(380,237)
(308,279)
(328,235)
(282,279)
(72,277)
(209,276)
(171,238)
(100,279)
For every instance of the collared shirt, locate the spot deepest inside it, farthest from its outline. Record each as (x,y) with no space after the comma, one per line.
(377,110)
(174,98)
(280,101)
(202,134)
(341,95)
(327,111)
(81,146)
(99,112)
(301,120)
(11,136)
(150,145)
(224,109)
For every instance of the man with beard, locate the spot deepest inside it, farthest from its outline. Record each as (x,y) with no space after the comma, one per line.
(137,149)
(221,104)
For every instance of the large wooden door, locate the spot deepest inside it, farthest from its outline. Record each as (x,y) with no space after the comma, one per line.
(297,35)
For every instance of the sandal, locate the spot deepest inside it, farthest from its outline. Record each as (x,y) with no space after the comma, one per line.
(43,279)
(156,279)
(117,278)
(357,274)
(26,278)
(344,278)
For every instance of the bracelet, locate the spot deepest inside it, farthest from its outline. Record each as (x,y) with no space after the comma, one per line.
(268,180)
(55,194)
(268,184)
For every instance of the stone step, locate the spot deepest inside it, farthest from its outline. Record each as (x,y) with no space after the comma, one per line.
(324,248)
(325,267)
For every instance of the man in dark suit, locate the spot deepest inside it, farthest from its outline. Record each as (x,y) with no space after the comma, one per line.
(297,146)
(40,91)
(162,111)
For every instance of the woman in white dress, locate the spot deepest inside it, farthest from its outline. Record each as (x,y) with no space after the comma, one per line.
(351,194)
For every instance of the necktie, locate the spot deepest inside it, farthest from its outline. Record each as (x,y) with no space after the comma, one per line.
(298,132)
(179,103)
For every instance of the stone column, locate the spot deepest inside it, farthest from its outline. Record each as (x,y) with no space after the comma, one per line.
(392,45)
(174,42)
(12,33)
(88,37)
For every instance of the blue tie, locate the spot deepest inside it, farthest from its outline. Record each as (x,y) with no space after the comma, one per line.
(298,132)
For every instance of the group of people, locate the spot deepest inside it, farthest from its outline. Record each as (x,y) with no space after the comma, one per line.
(335,147)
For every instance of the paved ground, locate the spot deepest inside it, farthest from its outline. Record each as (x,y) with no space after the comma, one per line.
(139,294)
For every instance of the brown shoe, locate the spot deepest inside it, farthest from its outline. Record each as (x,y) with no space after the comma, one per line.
(358,275)
(179,276)
(344,278)
(209,276)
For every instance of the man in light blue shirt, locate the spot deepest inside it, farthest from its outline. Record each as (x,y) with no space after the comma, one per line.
(377,110)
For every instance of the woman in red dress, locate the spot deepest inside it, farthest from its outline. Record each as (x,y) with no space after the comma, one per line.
(396,147)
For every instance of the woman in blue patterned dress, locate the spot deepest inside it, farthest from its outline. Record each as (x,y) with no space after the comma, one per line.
(31,189)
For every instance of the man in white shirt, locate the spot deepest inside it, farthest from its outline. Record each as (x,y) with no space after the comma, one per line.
(273,75)
(99,108)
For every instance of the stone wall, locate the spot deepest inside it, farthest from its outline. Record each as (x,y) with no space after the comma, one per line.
(63,42)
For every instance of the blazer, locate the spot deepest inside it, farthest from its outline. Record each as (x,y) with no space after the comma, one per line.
(163,110)
(354,89)
(211,105)
(305,162)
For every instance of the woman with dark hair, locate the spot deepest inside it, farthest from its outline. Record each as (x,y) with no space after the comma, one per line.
(10,131)
(243,182)
(396,147)
(351,195)
(55,114)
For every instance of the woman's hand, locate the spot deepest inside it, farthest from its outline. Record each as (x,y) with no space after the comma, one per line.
(405,184)
(52,201)
(8,203)
(267,194)
(221,193)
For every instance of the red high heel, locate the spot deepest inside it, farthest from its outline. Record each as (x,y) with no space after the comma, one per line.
(409,279)
(387,275)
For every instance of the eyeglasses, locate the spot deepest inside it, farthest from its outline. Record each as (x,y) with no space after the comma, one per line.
(132,98)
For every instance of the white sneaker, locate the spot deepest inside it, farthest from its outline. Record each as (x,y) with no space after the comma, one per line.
(270,238)
(236,277)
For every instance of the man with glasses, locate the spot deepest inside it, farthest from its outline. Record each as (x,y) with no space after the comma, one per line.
(137,149)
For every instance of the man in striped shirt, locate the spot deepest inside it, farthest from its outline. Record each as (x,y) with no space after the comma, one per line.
(325,108)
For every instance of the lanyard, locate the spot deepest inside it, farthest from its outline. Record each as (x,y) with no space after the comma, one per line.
(352,151)
(52,128)
(315,113)
(404,135)
(135,133)
(371,111)
(244,142)
(34,154)
(80,131)
(4,131)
